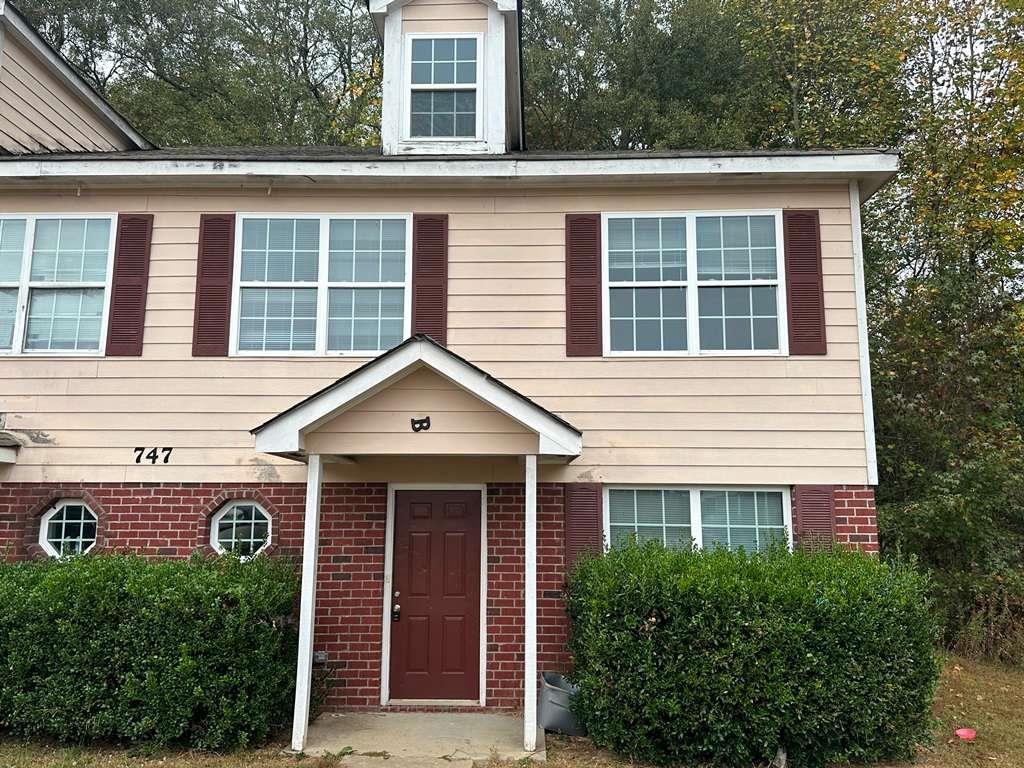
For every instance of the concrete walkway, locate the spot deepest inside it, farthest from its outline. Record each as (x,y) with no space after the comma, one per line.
(420,739)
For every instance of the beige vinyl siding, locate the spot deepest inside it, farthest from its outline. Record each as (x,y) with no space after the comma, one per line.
(460,424)
(39,113)
(440,16)
(658,420)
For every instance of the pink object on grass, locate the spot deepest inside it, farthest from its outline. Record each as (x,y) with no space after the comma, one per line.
(965,734)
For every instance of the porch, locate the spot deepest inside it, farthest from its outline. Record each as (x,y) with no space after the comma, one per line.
(422,738)
(417,406)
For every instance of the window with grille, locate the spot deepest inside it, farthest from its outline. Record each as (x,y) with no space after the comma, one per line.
(691,283)
(69,528)
(54,275)
(752,519)
(322,284)
(242,528)
(444,87)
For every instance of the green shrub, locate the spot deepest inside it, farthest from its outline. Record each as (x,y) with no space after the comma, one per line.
(121,648)
(967,532)
(717,657)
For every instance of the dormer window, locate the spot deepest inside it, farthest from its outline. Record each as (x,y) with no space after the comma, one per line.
(444,88)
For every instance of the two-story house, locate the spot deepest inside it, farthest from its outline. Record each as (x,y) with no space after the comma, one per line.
(434,372)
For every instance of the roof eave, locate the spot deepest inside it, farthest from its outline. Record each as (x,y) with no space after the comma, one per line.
(871,170)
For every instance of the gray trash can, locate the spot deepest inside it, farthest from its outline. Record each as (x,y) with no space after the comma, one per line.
(553,712)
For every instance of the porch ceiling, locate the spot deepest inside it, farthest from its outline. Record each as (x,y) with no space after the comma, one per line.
(418,399)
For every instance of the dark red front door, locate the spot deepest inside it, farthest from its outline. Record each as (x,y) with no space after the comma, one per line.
(435,636)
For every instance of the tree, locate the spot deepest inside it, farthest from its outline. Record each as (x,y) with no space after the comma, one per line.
(227,71)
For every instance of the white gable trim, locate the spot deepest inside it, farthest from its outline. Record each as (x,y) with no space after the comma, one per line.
(386,6)
(285,433)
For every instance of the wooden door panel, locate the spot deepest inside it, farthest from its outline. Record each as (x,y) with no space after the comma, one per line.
(435,641)
(455,575)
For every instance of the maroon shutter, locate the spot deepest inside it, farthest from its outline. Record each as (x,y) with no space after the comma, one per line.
(128,288)
(583,522)
(813,515)
(430,275)
(212,320)
(805,290)
(583,285)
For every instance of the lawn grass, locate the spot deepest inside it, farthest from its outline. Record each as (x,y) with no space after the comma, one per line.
(986,697)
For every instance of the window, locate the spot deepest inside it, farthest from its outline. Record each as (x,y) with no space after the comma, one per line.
(649,515)
(739,253)
(694,284)
(54,274)
(444,83)
(322,284)
(68,529)
(242,527)
(647,284)
(749,518)
(753,520)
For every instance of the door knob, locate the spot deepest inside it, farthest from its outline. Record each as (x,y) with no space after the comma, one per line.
(396,612)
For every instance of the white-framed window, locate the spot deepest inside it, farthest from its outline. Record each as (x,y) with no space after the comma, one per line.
(751,518)
(443,87)
(241,527)
(55,273)
(694,283)
(329,284)
(69,528)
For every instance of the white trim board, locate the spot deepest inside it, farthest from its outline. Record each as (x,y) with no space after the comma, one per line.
(382,11)
(389,565)
(385,6)
(871,169)
(867,402)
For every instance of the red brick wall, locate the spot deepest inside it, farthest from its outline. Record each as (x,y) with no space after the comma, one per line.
(506,516)
(856,523)
(349,597)
(172,520)
(166,519)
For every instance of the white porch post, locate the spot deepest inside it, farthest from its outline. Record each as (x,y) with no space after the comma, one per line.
(530,597)
(307,603)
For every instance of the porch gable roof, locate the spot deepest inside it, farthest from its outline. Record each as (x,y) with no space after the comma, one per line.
(284,434)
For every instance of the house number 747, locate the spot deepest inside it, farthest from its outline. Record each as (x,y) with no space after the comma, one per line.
(152,455)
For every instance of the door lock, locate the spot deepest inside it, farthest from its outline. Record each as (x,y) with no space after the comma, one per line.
(396,612)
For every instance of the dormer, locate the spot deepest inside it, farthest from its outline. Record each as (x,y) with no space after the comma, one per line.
(451,76)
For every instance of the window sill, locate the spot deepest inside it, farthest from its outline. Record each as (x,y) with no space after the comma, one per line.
(308,355)
(37,354)
(442,146)
(754,353)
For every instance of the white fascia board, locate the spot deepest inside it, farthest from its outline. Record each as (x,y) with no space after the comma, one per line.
(285,434)
(867,401)
(385,6)
(446,169)
(29,37)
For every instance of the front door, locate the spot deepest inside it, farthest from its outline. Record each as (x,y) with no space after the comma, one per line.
(435,599)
